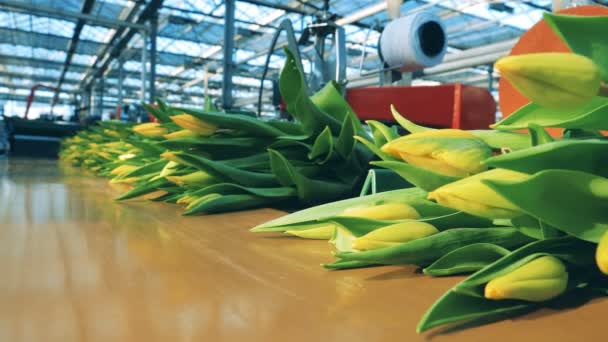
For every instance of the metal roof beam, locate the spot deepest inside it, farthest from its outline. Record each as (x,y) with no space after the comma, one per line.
(28,8)
(87,6)
(37,62)
(150,10)
(87,79)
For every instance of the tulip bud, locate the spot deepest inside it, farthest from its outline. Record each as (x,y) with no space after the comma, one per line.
(123,170)
(393,235)
(171,157)
(154,194)
(203,199)
(111,133)
(320,233)
(194,178)
(450,152)
(105,155)
(150,129)
(183,133)
(126,156)
(186,199)
(388,211)
(194,124)
(168,169)
(552,80)
(472,196)
(541,279)
(601,254)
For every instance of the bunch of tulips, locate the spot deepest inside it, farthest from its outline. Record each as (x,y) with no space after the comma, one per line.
(526,214)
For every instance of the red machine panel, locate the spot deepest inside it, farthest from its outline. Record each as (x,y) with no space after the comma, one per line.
(451,105)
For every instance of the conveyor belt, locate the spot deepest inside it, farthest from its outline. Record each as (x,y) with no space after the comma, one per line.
(76,266)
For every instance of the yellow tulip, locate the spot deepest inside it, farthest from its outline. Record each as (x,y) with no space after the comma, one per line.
(552,80)
(123,170)
(194,124)
(202,199)
(111,133)
(186,199)
(388,211)
(601,254)
(472,196)
(126,156)
(324,232)
(194,178)
(105,155)
(450,152)
(154,194)
(394,234)
(539,280)
(183,133)
(150,129)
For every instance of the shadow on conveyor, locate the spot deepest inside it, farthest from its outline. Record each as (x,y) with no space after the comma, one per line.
(33,138)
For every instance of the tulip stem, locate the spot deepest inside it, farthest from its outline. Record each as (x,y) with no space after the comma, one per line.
(603,90)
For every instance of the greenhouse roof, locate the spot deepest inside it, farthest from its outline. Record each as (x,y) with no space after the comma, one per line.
(36,36)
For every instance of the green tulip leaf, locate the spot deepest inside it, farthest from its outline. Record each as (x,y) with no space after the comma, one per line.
(577,133)
(346,140)
(422,178)
(290,129)
(593,115)
(149,148)
(238,122)
(569,249)
(330,100)
(572,201)
(347,265)
(578,155)
(466,259)
(381,132)
(466,302)
(329,210)
(293,90)
(538,135)
(407,124)
(236,189)
(323,147)
(211,143)
(498,140)
(455,307)
(258,161)
(585,35)
(162,106)
(228,203)
(152,167)
(225,170)
(376,150)
(309,190)
(144,188)
(159,113)
(427,250)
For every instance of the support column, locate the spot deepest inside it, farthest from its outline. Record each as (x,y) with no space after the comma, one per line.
(144,61)
(120,90)
(152,77)
(228,54)
(490,77)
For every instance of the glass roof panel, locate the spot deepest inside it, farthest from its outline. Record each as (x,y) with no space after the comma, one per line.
(36,44)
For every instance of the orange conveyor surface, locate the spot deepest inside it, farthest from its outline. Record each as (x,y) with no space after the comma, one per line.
(77,266)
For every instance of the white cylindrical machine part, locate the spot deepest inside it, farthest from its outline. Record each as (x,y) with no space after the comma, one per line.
(414,42)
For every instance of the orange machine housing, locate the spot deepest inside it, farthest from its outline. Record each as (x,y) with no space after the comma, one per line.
(441,106)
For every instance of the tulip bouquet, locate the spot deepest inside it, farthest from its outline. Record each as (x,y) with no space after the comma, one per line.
(214,162)
(526,214)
